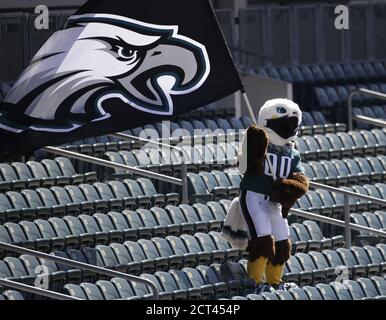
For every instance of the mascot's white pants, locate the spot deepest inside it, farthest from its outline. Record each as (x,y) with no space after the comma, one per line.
(266,217)
(269,246)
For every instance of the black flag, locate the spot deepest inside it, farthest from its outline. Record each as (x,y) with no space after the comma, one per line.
(114,66)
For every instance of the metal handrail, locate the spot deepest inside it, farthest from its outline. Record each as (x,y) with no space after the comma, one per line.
(353,93)
(365,119)
(114,165)
(349,193)
(126,136)
(209,136)
(184,168)
(336,222)
(346,202)
(39,291)
(81,266)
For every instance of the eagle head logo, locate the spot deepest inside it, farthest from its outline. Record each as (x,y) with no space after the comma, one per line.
(97,57)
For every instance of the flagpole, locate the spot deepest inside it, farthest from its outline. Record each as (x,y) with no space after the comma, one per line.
(248,103)
(252,114)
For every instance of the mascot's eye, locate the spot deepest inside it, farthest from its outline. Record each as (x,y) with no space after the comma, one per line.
(126,54)
(281,110)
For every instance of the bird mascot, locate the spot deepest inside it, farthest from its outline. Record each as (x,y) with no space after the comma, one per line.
(265,196)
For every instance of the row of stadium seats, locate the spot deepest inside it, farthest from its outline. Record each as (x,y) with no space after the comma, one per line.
(347,171)
(331,203)
(215,109)
(47,233)
(230,279)
(134,257)
(216,184)
(327,74)
(333,101)
(361,289)
(311,120)
(324,86)
(375,112)
(218,280)
(337,96)
(60,172)
(203,282)
(175,252)
(83,199)
(218,156)
(46,173)
(313,123)
(360,262)
(375,220)
(201,157)
(343,144)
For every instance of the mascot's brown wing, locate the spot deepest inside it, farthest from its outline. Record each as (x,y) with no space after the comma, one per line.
(257,144)
(287,191)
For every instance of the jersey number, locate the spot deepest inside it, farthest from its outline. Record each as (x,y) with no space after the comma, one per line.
(281,170)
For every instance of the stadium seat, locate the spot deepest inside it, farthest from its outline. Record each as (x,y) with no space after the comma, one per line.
(91,194)
(105,193)
(180,219)
(362,257)
(322,263)
(192,216)
(205,215)
(341,291)
(120,191)
(220,289)
(197,280)
(307,263)
(8,174)
(348,258)
(152,253)
(179,248)
(312,293)
(149,190)
(369,289)
(299,294)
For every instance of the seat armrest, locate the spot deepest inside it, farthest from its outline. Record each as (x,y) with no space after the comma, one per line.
(115,204)
(43,212)
(90,177)
(116,236)
(77,179)
(72,208)
(87,206)
(172,198)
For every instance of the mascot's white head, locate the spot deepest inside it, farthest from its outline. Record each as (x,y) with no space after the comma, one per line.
(281,119)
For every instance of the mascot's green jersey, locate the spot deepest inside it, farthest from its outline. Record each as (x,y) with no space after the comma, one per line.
(285,160)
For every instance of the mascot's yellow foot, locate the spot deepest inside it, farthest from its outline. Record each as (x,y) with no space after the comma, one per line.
(273,273)
(256,269)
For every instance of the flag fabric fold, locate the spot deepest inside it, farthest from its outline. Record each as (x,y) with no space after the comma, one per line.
(117,65)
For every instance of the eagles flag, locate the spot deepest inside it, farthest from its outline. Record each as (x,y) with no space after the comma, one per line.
(114,66)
